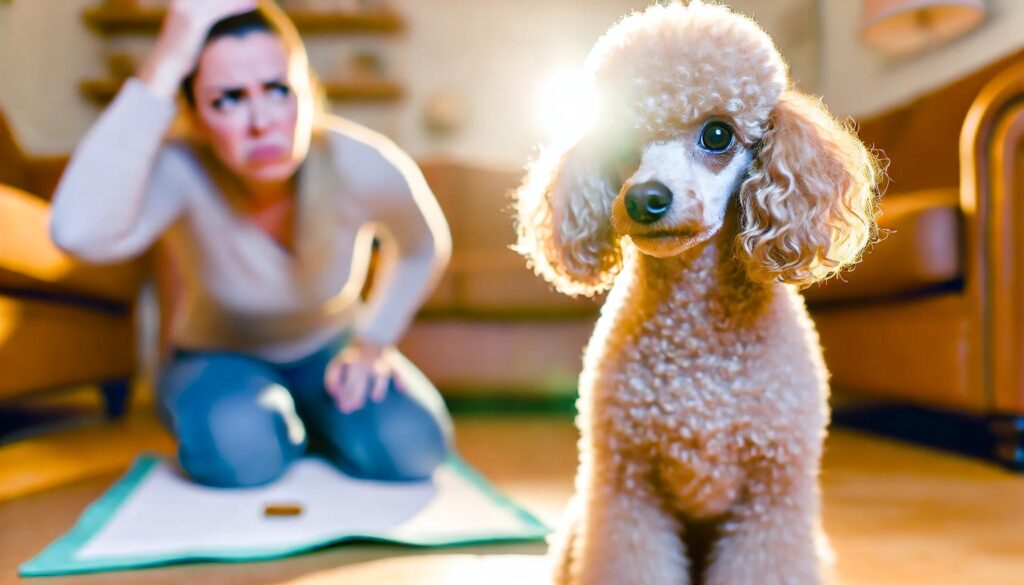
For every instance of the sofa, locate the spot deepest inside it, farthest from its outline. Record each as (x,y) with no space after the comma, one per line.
(62,323)
(492,328)
(934,315)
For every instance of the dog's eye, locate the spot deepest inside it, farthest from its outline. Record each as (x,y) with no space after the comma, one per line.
(716,137)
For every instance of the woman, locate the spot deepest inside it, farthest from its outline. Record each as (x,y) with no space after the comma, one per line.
(263,209)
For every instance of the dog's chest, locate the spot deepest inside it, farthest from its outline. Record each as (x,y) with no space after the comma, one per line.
(699,378)
(674,382)
(675,367)
(682,402)
(690,380)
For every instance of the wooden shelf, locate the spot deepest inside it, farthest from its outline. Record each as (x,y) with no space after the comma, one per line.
(113,21)
(378,21)
(102,91)
(147,19)
(363,90)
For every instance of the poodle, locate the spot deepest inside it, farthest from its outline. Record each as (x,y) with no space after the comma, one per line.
(708,192)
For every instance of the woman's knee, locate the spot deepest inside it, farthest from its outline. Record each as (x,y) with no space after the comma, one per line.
(241,439)
(396,439)
(236,426)
(416,452)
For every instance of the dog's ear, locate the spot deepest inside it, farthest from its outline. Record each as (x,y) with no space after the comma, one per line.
(563,219)
(809,203)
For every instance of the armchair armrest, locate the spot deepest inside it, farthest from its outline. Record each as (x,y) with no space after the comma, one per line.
(29,261)
(992,200)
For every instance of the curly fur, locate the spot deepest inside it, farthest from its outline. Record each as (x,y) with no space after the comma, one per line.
(673,64)
(703,396)
(557,204)
(809,203)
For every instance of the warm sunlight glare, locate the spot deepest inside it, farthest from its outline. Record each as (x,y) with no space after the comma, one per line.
(565,104)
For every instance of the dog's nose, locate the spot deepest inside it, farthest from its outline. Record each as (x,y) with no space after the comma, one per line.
(648,202)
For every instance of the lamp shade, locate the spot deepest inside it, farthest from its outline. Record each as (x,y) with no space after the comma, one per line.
(902,27)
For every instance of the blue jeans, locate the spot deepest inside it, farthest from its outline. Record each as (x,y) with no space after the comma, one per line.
(240,421)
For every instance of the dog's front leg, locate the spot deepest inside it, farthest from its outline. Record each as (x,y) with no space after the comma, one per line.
(624,534)
(562,543)
(773,536)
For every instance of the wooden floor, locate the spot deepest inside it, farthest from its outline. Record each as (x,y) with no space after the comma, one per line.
(896,514)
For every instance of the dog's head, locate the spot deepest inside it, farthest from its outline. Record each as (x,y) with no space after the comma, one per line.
(696,110)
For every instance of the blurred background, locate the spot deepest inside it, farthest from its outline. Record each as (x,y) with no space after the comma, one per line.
(489,59)
(924,339)
(483,65)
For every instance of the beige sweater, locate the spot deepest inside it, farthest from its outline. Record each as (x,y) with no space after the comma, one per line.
(126,186)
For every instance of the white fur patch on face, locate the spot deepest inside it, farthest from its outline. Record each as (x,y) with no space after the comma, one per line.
(702,184)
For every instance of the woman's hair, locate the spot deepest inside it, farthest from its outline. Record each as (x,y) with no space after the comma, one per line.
(270,19)
(238,25)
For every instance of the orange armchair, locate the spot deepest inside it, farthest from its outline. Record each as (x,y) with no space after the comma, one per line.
(61,322)
(935,314)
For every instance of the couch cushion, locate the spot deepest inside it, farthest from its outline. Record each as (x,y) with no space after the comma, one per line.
(46,345)
(907,350)
(499,283)
(515,358)
(476,200)
(486,278)
(921,251)
(442,298)
(29,261)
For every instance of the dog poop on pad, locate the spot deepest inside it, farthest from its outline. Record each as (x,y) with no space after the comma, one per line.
(282,509)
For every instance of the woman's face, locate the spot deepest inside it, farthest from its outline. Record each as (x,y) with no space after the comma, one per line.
(246,108)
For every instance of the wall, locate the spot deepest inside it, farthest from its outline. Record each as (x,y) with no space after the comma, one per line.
(795,27)
(493,54)
(44,49)
(857,81)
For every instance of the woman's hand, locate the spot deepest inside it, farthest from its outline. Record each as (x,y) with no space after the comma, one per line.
(358,371)
(181,40)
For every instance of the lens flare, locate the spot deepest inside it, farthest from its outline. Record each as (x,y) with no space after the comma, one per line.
(566,105)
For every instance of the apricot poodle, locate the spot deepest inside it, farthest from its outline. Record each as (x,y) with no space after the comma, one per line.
(708,191)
